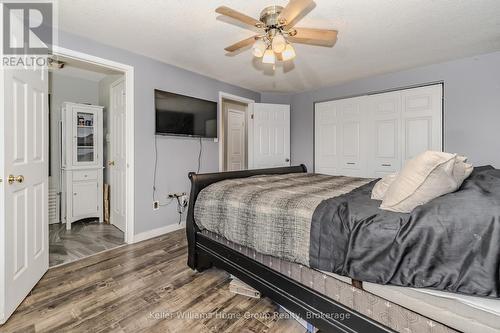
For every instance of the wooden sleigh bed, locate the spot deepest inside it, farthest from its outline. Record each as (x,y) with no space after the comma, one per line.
(328,313)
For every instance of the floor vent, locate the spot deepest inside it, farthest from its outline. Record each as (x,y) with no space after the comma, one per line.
(53,205)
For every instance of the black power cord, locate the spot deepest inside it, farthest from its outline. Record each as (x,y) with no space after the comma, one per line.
(199,156)
(155,167)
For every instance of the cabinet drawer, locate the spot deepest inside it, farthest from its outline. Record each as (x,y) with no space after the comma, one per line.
(85,175)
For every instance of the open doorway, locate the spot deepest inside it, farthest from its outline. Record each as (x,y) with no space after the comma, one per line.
(86,159)
(235,134)
(235,131)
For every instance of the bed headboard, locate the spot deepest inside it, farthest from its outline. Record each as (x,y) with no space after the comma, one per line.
(200,181)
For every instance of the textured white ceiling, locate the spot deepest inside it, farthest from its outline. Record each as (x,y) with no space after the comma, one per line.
(375,36)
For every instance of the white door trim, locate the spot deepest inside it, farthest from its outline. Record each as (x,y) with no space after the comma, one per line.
(2,208)
(220,126)
(129,88)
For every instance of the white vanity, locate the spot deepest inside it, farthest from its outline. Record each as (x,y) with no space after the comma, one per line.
(82,162)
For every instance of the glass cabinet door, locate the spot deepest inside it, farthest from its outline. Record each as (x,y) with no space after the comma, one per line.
(85,137)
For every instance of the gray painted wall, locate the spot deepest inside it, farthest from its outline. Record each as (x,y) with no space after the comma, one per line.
(176,156)
(276,98)
(472,106)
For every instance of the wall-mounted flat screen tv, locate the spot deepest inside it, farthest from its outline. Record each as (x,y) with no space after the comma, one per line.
(185,116)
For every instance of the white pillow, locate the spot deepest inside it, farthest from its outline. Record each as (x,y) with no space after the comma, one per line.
(381,187)
(425,177)
(462,170)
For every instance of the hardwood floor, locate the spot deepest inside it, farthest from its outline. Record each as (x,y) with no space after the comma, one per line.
(86,237)
(144,287)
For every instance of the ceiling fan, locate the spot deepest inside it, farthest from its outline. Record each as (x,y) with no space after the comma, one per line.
(277,23)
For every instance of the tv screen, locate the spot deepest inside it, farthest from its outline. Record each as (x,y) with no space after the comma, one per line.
(184,115)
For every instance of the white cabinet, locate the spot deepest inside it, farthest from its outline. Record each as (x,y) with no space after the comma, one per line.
(371,136)
(82,161)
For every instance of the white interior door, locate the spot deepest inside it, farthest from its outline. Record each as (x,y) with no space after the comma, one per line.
(117,160)
(236,140)
(271,135)
(24,215)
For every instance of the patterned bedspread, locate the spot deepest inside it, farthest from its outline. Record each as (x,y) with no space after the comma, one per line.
(271,214)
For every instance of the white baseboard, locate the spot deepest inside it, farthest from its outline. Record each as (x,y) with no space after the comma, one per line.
(158,232)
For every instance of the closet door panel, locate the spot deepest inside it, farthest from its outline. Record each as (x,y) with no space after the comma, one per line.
(326,138)
(350,144)
(353,137)
(418,133)
(422,120)
(385,134)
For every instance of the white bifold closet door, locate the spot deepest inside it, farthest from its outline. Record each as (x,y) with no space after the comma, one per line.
(371,136)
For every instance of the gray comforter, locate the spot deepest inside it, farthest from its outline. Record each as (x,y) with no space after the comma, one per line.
(272,213)
(330,223)
(451,243)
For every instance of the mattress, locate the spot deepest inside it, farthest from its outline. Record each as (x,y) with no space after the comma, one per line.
(462,312)
(338,288)
(409,309)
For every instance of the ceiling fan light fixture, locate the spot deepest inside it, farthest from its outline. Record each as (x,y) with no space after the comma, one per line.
(279,43)
(259,48)
(277,27)
(269,57)
(288,53)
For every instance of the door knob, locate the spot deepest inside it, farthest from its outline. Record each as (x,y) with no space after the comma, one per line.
(287,160)
(13,179)
(110,163)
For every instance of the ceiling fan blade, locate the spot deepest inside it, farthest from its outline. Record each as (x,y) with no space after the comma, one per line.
(320,37)
(223,10)
(293,10)
(241,44)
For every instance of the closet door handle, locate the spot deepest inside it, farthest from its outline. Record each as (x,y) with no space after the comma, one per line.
(386,165)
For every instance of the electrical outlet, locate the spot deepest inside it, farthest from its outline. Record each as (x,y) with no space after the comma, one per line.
(183,199)
(156,205)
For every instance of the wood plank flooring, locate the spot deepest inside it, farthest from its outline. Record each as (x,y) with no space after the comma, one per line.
(144,287)
(86,237)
